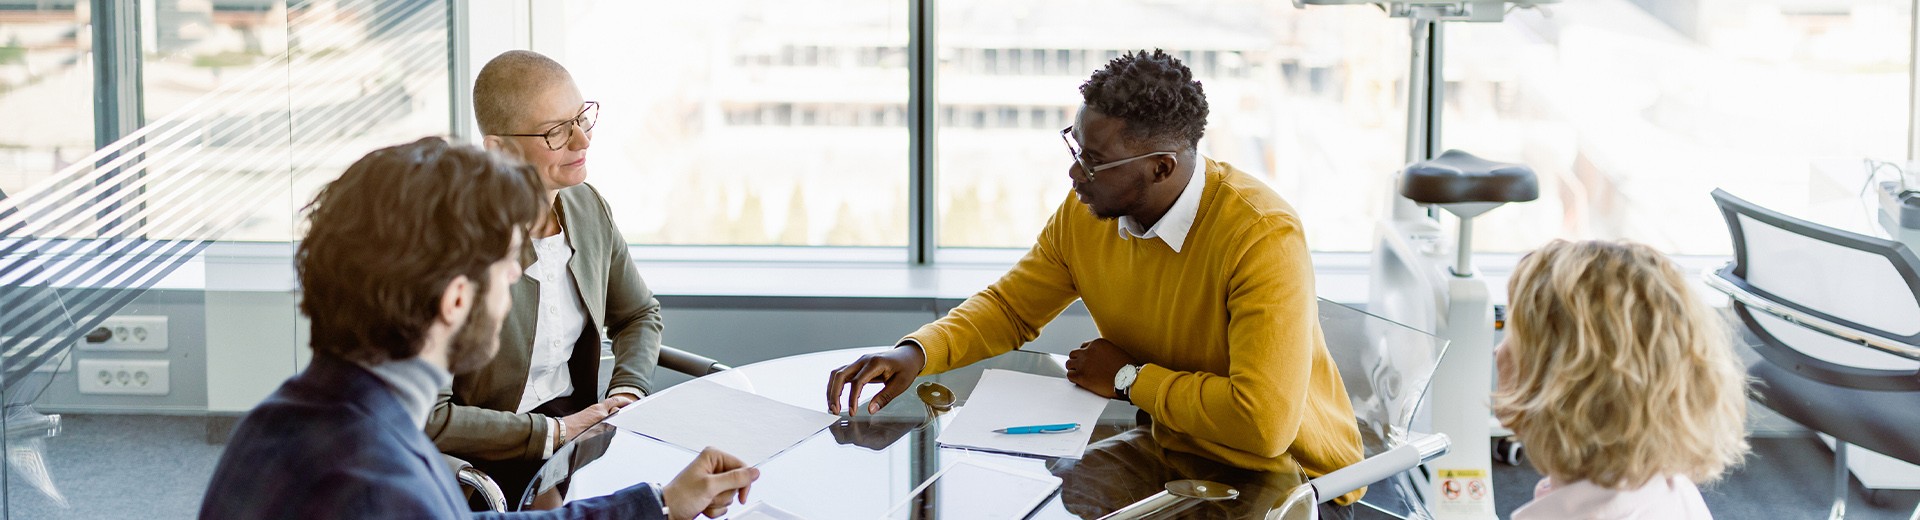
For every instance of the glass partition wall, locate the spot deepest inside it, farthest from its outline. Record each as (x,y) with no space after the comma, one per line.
(146,298)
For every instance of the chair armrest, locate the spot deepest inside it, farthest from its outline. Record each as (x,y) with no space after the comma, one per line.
(1417,451)
(689,363)
(472,478)
(1849,332)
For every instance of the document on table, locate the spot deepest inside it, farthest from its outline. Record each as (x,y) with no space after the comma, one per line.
(697,414)
(1006,398)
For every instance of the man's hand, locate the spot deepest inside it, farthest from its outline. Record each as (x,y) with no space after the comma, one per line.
(581,420)
(708,486)
(896,368)
(617,401)
(1093,365)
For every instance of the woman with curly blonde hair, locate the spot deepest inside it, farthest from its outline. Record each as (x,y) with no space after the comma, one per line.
(1622,384)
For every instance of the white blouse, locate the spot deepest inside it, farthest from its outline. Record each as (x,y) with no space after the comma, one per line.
(1673,497)
(562,317)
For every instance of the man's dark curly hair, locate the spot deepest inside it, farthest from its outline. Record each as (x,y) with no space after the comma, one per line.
(1154,93)
(388,235)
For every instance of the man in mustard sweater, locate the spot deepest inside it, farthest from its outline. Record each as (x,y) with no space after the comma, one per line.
(1202,290)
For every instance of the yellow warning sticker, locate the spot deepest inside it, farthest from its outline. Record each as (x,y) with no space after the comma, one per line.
(1463,473)
(1464,493)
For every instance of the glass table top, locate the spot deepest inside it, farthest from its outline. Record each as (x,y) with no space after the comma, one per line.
(865,466)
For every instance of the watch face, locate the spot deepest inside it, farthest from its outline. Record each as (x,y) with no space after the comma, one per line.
(1124,378)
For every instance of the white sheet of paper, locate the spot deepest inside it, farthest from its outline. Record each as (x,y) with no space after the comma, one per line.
(697,414)
(765,511)
(1005,398)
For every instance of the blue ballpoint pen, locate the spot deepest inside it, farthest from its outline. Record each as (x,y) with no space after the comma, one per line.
(1040,428)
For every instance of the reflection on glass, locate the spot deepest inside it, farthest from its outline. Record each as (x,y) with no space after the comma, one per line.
(865,467)
(757,122)
(1304,99)
(977,490)
(1631,112)
(253,106)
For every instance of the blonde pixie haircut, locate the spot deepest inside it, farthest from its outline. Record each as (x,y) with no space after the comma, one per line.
(1616,373)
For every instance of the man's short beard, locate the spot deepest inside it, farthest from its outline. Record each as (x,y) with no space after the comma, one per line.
(1139,191)
(477,341)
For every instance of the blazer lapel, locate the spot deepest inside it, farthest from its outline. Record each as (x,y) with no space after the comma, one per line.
(580,266)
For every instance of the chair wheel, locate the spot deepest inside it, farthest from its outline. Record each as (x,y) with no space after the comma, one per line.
(1880,497)
(1508,451)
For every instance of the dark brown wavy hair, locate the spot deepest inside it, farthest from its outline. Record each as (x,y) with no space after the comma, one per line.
(386,238)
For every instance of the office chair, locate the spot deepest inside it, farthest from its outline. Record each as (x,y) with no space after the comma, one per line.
(1386,368)
(483,494)
(1837,315)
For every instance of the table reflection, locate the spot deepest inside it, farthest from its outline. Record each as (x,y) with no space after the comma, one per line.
(864,466)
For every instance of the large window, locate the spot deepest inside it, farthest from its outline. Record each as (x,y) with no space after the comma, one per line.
(743,122)
(46,89)
(1633,115)
(1307,100)
(224,117)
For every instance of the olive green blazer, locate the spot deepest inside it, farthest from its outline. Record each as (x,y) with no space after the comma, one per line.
(474,419)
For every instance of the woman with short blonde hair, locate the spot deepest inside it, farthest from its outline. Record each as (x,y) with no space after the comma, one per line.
(1622,384)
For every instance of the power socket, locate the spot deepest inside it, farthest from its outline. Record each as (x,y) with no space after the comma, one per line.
(128,334)
(122,376)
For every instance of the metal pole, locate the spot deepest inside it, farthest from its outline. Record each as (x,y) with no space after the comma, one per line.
(1839,510)
(921,62)
(459,69)
(117,108)
(1436,86)
(1913,88)
(1463,252)
(1419,75)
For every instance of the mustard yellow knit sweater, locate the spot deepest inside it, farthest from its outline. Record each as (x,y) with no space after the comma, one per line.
(1234,365)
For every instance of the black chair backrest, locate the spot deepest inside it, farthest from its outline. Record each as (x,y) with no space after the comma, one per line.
(1865,284)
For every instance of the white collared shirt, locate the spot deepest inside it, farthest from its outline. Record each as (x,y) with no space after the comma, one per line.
(1174,226)
(562,317)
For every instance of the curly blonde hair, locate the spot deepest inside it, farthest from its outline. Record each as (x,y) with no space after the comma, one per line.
(1614,372)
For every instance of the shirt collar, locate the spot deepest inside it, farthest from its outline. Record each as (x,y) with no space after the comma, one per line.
(1174,226)
(415,382)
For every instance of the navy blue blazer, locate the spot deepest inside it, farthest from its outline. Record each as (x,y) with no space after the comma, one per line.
(334,442)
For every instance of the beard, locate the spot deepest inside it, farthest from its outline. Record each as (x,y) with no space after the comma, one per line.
(477,341)
(1138,191)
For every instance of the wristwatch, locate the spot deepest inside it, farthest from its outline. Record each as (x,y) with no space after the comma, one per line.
(1123,381)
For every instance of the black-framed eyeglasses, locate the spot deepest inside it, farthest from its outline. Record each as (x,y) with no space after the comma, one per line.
(560,133)
(1088,168)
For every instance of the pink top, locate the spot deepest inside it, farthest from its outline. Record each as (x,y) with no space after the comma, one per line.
(1673,497)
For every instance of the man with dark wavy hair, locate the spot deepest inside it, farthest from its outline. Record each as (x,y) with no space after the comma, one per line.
(1197,276)
(405,270)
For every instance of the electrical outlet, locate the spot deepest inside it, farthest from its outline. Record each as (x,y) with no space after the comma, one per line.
(122,376)
(128,334)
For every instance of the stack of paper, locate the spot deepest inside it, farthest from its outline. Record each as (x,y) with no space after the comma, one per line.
(1006,399)
(698,413)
